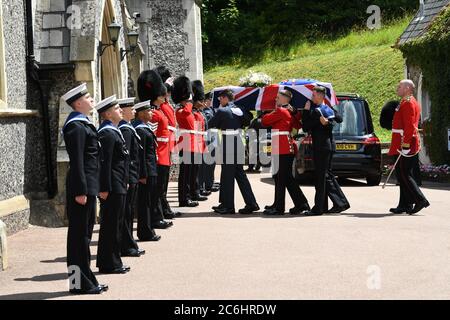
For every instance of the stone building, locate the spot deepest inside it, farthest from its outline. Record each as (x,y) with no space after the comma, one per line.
(49,46)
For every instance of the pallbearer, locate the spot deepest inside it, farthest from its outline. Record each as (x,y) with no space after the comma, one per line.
(80,137)
(283,121)
(319,121)
(114,170)
(132,141)
(186,145)
(230,119)
(151,87)
(147,193)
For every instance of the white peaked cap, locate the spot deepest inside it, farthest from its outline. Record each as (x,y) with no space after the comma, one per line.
(106,104)
(75,93)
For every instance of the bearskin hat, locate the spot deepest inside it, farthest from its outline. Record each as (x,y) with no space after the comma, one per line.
(150,86)
(163,72)
(198,91)
(182,89)
(387,114)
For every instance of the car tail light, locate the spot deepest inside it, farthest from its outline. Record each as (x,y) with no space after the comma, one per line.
(371,140)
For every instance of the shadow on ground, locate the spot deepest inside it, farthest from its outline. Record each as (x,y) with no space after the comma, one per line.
(35,295)
(45,277)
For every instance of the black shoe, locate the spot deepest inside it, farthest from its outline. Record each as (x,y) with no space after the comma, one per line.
(205,193)
(120,270)
(312,213)
(220,206)
(96,290)
(338,209)
(215,188)
(400,210)
(199,198)
(249,209)
(269,207)
(299,210)
(273,212)
(127,268)
(189,203)
(225,211)
(155,237)
(177,214)
(162,224)
(131,253)
(169,216)
(141,252)
(419,206)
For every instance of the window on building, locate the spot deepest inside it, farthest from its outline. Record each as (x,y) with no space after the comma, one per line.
(424,99)
(2,64)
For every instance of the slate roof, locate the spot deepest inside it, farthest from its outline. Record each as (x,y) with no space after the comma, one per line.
(418,26)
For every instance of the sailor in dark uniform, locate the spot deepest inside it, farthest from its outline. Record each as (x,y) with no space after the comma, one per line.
(114,170)
(230,119)
(319,121)
(147,193)
(80,137)
(132,141)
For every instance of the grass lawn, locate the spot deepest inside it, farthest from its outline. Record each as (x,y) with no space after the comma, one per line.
(362,62)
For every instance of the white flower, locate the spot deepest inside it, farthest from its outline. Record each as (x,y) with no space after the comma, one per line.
(255,79)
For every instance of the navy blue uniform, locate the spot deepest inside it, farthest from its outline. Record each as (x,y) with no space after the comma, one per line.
(323,145)
(114,171)
(80,137)
(147,193)
(132,143)
(206,174)
(230,119)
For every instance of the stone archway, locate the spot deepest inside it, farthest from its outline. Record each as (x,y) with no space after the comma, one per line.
(110,64)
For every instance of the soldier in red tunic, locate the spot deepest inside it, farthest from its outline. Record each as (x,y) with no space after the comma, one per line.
(406,142)
(186,145)
(283,121)
(151,87)
(169,112)
(200,127)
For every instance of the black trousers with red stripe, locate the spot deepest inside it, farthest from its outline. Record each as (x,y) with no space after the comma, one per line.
(410,193)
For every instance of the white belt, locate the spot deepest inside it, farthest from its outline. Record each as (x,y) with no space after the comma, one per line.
(400,131)
(214,130)
(230,132)
(161,139)
(192,132)
(181,131)
(280,133)
(172,128)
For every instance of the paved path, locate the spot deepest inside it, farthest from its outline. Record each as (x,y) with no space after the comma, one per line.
(364,253)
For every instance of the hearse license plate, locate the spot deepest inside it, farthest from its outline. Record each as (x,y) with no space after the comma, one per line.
(346,147)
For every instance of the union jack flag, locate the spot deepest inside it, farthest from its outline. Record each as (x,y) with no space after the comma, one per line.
(263,98)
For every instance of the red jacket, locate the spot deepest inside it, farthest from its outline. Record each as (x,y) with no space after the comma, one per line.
(200,128)
(282,123)
(186,129)
(405,132)
(162,136)
(170,114)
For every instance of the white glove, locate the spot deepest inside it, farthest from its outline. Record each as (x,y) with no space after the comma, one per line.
(404,152)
